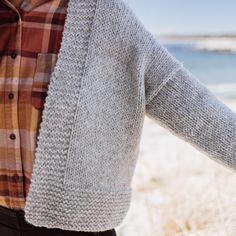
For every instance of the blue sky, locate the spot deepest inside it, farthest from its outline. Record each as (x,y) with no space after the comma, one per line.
(186,16)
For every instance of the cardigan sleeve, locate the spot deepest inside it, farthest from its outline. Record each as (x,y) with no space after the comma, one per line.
(179,102)
(189,110)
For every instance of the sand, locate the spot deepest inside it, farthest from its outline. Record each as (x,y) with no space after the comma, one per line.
(179,191)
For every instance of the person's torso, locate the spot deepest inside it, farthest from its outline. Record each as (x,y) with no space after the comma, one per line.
(92,117)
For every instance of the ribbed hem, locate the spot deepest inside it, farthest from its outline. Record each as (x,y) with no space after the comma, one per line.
(80,210)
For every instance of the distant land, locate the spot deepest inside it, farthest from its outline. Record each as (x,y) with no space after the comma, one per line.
(195,36)
(207,42)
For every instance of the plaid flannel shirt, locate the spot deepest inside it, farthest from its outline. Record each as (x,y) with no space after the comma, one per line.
(30,37)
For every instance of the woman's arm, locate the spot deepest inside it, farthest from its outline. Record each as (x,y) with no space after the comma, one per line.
(178,101)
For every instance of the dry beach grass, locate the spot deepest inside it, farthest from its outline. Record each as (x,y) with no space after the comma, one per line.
(178,191)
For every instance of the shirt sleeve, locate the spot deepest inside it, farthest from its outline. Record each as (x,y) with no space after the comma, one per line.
(190,111)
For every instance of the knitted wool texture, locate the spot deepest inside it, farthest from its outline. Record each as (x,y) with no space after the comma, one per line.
(110,73)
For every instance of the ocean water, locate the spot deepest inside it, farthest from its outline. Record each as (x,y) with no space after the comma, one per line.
(217,70)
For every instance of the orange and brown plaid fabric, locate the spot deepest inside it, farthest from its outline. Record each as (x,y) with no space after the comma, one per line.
(30,36)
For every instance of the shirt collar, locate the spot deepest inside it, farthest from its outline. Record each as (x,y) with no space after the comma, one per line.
(26,5)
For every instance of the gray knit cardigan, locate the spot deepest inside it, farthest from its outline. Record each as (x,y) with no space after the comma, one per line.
(110,73)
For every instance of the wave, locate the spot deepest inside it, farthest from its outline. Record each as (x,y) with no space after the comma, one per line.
(216,44)
(207,44)
(224,90)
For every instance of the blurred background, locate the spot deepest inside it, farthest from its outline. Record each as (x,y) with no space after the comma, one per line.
(179,191)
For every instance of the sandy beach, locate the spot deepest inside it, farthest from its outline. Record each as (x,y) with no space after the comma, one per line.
(179,191)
